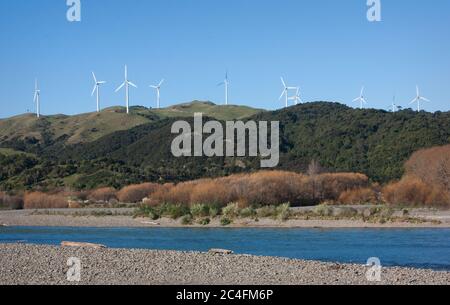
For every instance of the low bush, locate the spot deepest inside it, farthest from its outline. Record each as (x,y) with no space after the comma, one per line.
(248,212)
(200,210)
(412,191)
(204,221)
(261,188)
(104,194)
(174,211)
(38,200)
(187,219)
(267,211)
(231,210)
(11,202)
(283,211)
(358,196)
(136,193)
(225,221)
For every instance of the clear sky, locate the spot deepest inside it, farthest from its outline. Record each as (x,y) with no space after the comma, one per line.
(327,47)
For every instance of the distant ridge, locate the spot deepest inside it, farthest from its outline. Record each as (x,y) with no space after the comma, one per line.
(88,127)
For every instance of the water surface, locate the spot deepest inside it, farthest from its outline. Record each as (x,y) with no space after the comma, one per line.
(419,248)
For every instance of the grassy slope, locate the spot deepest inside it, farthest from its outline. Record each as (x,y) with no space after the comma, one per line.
(89,127)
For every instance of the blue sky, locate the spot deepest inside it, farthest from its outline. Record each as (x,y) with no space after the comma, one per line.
(327,47)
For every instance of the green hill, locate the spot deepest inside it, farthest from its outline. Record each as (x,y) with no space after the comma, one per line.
(89,127)
(373,142)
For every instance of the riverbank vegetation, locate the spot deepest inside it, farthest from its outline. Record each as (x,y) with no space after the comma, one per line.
(426,183)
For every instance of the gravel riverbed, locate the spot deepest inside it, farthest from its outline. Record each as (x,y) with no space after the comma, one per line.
(33,264)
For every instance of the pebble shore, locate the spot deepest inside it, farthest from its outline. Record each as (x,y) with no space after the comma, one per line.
(31,264)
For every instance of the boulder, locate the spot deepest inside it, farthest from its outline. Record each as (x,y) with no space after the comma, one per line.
(220,251)
(81,245)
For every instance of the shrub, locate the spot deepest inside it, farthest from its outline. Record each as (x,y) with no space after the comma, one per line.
(432,166)
(231,210)
(200,210)
(267,211)
(187,219)
(247,212)
(136,193)
(214,211)
(358,196)
(12,202)
(38,200)
(204,221)
(260,188)
(413,191)
(284,211)
(225,221)
(104,194)
(174,211)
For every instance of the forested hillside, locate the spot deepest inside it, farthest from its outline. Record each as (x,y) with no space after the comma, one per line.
(341,139)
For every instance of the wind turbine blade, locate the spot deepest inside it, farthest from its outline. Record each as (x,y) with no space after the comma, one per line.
(93,91)
(417,90)
(282,94)
(120,87)
(425,99)
(362,91)
(126,72)
(154,87)
(101,82)
(161,82)
(413,101)
(93,75)
(35,96)
(357,99)
(130,83)
(282,81)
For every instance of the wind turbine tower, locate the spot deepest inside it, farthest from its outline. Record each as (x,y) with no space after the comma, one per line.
(97,89)
(286,92)
(158,93)
(37,96)
(126,84)
(296,98)
(226,84)
(361,99)
(418,99)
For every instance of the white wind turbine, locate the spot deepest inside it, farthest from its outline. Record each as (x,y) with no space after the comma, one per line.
(361,99)
(126,84)
(37,95)
(393,106)
(158,93)
(97,89)
(225,83)
(418,98)
(296,98)
(286,92)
